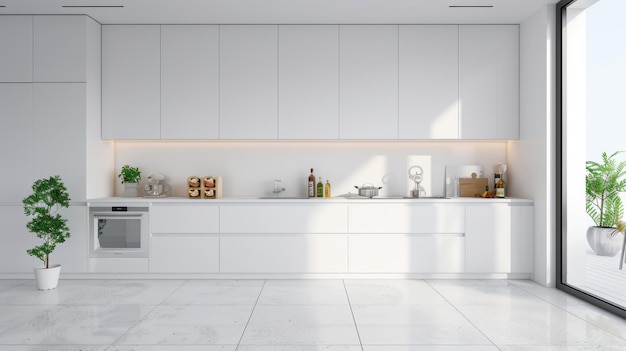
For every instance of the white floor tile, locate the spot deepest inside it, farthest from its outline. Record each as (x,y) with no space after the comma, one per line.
(172,348)
(392,292)
(482,292)
(63,325)
(9,283)
(13,315)
(588,347)
(216,295)
(189,325)
(430,348)
(536,324)
(305,325)
(414,325)
(303,292)
(54,348)
(27,293)
(127,292)
(300,348)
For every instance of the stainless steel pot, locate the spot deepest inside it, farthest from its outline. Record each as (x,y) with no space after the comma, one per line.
(368,190)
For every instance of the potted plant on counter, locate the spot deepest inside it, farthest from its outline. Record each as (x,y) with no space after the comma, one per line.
(604,182)
(43,206)
(130,177)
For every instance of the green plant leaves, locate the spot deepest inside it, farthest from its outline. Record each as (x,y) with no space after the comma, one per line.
(48,197)
(603,183)
(129,174)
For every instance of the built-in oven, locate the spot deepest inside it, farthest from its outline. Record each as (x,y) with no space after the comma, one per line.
(119,231)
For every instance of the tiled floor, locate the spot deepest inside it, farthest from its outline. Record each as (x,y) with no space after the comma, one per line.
(304,315)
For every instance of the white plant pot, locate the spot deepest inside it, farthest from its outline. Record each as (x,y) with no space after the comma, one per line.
(130,189)
(601,241)
(47,278)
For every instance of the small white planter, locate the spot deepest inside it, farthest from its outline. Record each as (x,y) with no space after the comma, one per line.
(130,189)
(47,278)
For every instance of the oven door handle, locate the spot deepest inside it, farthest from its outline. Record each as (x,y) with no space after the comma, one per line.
(116,215)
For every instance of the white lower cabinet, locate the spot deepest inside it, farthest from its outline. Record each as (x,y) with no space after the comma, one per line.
(72,254)
(184,253)
(388,253)
(15,241)
(119,265)
(323,253)
(407,219)
(499,239)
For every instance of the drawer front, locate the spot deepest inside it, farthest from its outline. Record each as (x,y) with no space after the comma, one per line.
(284,219)
(119,265)
(184,253)
(407,219)
(380,253)
(172,219)
(284,254)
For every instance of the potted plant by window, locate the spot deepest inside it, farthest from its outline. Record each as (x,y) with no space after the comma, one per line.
(43,206)
(130,177)
(604,182)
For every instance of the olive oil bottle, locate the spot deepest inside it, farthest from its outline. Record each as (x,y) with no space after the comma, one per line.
(320,188)
(327,189)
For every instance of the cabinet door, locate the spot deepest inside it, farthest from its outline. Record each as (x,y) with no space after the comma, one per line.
(189,82)
(285,219)
(368,79)
(428,96)
(131,88)
(382,253)
(15,241)
(60,49)
(179,219)
(488,239)
(489,81)
(59,126)
(308,103)
(72,254)
(248,82)
(184,253)
(16,41)
(522,239)
(407,219)
(284,254)
(16,140)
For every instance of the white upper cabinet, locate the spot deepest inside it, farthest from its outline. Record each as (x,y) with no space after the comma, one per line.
(428,94)
(131,88)
(16,55)
(60,53)
(59,126)
(16,140)
(368,80)
(248,82)
(189,82)
(308,75)
(489,81)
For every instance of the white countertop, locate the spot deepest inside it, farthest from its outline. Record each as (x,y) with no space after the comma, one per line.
(250,199)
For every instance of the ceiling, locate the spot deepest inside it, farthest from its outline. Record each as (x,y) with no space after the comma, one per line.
(285,11)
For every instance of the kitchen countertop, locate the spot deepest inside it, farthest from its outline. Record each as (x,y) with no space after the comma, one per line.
(251,199)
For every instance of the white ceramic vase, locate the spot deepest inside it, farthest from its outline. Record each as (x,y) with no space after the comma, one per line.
(47,278)
(130,189)
(602,242)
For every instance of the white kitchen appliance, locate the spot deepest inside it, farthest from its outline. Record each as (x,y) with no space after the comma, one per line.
(118,231)
(156,187)
(454,172)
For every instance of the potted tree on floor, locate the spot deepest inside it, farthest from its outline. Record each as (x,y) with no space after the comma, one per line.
(130,177)
(604,182)
(43,206)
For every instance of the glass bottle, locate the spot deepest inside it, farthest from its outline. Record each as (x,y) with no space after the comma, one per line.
(320,188)
(311,190)
(327,189)
(500,188)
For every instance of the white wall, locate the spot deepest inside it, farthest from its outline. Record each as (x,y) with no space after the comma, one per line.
(533,155)
(249,168)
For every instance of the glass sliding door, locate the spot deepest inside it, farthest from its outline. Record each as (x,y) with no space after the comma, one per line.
(591,127)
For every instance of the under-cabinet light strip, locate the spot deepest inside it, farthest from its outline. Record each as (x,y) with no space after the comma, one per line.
(470,6)
(92,6)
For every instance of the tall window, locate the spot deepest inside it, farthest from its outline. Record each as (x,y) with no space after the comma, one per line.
(592,67)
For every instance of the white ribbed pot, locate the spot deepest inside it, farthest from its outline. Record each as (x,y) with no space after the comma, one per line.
(602,242)
(47,278)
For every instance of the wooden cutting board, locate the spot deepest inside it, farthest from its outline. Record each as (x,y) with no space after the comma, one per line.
(470,187)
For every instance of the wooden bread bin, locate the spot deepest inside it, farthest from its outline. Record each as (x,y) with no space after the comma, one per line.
(472,187)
